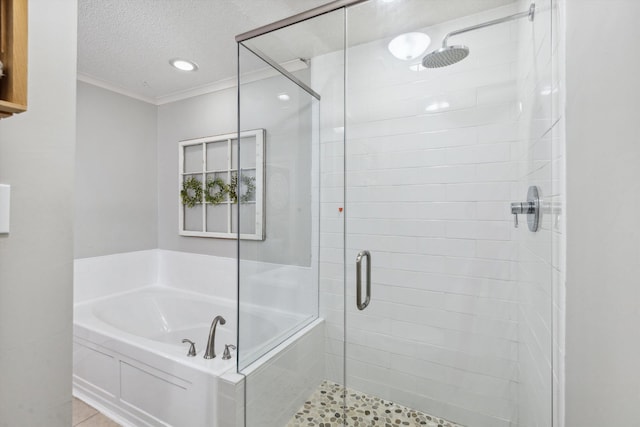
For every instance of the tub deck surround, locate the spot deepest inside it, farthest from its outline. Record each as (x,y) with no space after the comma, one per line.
(280,381)
(130,362)
(277,286)
(101,276)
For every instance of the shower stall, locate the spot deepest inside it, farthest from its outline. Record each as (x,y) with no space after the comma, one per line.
(403,246)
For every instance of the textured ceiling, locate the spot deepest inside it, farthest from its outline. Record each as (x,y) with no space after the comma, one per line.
(127,44)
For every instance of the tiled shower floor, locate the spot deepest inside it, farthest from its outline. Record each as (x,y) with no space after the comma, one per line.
(324,409)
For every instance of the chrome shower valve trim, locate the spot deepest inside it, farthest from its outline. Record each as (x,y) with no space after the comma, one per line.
(531,208)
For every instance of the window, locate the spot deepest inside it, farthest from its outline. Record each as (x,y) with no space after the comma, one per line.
(210,189)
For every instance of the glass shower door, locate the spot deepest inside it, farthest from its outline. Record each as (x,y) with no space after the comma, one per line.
(458,327)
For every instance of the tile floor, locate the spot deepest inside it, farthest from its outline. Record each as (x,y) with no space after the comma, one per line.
(323,409)
(86,416)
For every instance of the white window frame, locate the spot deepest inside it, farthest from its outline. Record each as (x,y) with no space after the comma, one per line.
(259,135)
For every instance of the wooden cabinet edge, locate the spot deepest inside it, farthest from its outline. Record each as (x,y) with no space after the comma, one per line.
(11,108)
(15,42)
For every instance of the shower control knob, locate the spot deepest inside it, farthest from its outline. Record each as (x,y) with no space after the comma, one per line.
(531,208)
(192,347)
(519,209)
(515,210)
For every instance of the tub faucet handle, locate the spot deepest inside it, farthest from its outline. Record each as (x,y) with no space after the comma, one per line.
(192,347)
(227,354)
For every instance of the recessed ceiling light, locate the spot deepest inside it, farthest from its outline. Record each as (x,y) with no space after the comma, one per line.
(409,46)
(183,64)
(284,96)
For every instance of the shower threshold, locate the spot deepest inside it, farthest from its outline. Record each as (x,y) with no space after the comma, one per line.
(324,409)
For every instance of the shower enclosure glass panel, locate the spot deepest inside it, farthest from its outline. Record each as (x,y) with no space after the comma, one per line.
(417,169)
(278,276)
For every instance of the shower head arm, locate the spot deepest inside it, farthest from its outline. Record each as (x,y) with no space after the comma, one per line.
(528,14)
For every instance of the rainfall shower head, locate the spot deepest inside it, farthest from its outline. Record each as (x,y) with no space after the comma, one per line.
(445,56)
(449,55)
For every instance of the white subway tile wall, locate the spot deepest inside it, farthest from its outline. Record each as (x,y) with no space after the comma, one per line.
(460,321)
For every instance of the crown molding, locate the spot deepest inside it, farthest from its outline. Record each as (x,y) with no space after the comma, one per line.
(263,73)
(85,78)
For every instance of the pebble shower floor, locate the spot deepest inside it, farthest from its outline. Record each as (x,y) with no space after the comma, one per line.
(324,409)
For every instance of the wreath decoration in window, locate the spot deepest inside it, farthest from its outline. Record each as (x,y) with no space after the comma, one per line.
(221,186)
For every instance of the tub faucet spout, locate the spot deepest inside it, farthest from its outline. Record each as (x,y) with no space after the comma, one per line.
(211,353)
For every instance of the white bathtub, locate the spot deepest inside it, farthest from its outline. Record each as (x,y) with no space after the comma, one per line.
(130,362)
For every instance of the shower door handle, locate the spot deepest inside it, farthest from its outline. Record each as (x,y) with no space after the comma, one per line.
(362,254)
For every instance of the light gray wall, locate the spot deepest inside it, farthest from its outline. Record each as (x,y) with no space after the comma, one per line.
(603,198)
(288,146)
(116,188)
(288,169)
(127,170)
(36,259)
(206,115)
